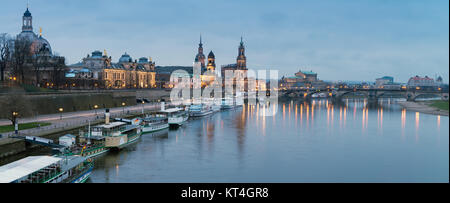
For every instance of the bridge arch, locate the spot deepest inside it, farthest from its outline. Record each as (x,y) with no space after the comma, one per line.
(422,95)
(342,94)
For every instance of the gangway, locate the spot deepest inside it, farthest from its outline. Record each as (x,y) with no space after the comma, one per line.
(39,141)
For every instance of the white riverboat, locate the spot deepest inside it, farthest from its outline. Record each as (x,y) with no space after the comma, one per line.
(120,134)
(227,104)
(216,108)
(153,123)
(47,169)
(199,110)
(176,116)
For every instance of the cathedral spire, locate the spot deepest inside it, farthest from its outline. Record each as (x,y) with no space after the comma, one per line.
(200,57)
(241,59)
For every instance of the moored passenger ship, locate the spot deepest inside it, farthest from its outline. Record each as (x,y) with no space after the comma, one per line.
(199,110)
(47,169)
(154,123)
(120,134)
(176,116)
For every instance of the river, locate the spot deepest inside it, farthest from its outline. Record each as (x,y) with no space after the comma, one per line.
(319,141)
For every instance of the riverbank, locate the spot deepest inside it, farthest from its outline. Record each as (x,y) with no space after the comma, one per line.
(63,123)
(424,107)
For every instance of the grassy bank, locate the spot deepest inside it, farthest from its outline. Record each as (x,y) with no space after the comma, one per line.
(23,126)
(443,105)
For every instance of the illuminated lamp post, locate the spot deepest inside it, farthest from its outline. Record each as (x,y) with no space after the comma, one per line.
(61,111)
(95,108)
(16,125)
(123,107)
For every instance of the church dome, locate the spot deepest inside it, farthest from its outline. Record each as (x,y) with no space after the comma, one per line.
(143,60)
(37,43)
(30,36)
(41,45)
(125,58)
(97,54)
(211,55)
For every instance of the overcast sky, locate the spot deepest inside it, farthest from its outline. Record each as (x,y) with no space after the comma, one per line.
(339,39)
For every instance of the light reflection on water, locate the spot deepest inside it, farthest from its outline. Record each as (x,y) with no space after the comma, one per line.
(303,142)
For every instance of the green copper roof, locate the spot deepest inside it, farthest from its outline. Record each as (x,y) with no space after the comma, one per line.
(308,72)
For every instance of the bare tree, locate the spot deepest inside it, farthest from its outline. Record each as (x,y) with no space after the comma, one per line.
(21,56)
(13,106)
(58,69)
(5,53)
(40,61)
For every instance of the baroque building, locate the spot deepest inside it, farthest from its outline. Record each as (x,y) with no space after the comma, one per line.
(43,68)
(125,74)
(302,80)
(38,43)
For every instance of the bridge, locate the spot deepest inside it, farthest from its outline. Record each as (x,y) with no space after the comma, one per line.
(370,93)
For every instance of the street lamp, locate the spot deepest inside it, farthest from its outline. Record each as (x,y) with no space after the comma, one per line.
(123,107)
(143,102)
(60,110)
(16,125)
(95,107)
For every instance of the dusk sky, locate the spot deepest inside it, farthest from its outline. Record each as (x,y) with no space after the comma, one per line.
(340,40)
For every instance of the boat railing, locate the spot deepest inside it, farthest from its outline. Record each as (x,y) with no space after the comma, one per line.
(128,128)
(89,148)
(81,168)
(43,175)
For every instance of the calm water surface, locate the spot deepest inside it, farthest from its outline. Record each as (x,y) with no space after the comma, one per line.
(354,141)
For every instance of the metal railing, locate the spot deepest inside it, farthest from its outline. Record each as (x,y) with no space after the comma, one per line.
(78,122)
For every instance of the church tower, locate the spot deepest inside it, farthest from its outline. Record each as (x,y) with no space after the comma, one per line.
(27,22)
(211,62)
(241,59)
(200,56)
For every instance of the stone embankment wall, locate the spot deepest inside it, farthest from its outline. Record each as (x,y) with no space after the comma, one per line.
(71,101)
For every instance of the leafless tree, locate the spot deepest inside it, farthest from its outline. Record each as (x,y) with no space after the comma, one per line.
(40,61)
(21,57)
(13,106)
(58,69)
(5,53)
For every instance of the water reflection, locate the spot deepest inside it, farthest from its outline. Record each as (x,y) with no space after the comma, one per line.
(239,145)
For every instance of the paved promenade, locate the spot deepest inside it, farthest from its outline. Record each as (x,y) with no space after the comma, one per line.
(71,120)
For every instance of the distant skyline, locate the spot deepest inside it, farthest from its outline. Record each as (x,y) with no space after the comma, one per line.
(340,40)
